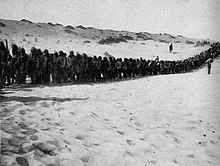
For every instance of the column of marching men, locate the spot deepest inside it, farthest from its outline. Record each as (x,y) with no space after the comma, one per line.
(43,67)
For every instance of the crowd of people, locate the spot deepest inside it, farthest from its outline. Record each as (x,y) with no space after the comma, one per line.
(43,67)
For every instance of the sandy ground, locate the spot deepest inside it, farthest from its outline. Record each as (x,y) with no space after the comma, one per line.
(165,120)
(133,49)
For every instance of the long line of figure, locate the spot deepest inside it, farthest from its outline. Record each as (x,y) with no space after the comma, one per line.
(41,66)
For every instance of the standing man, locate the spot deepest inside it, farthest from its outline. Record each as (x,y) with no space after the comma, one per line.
(5,59)
(71,62)
(171,47)
(45,67)
(209,63)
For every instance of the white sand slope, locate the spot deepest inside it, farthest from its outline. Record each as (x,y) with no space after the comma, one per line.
(85,40)
(167,120)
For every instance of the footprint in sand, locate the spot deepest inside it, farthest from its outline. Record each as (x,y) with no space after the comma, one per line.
(22,161)
(155,146)
(9,150)
(130,142)
(72,113)
(9,128)
(66,142)
(138,124)
(22,112)
(23,126)
(4,112)
(17,141)
(176,162)
(57,124)
(38,154)
(169,132)
(94,114)
(27,147)
(129,153)
(46,129)
(33,137)
(120,132)
(85,158)
(212,142)
(177,140)
(29,132)
(142,139)
(80,137)
(191,155)
(47,149)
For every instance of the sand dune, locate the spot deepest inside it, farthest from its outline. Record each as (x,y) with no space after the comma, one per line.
(135,122)
(85,39)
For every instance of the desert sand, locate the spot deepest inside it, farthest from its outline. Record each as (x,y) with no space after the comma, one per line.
(85,40)
(161,120)
(164,120)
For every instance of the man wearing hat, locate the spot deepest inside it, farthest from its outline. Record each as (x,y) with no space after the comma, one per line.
(45,67)
(38,72)
(54,66)
(71,65)
(62,64)
(23,65)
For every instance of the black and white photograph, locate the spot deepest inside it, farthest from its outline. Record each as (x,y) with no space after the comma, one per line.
(110,82)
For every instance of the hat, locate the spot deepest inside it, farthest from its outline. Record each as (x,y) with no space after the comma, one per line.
(71,52)
(46,51)
(33,49)
(60,52)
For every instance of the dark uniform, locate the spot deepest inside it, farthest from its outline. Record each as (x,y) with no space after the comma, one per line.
(46,66)
(5,59)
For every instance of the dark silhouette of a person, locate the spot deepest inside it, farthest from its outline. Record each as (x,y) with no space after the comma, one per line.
(171,47)
(209,64)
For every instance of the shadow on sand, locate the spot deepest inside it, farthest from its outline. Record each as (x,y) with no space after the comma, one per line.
(27,87)
(175,52)
(36,99)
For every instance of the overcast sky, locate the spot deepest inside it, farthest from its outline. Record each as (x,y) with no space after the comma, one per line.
(191,18)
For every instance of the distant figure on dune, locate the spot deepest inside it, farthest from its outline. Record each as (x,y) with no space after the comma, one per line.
(209,64)
(171,47)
